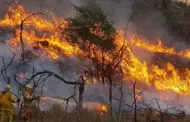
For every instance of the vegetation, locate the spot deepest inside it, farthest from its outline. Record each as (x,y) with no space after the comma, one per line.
(56,114)
(90,25)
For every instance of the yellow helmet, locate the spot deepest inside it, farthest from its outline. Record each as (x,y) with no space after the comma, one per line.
(7,87)
(28,86)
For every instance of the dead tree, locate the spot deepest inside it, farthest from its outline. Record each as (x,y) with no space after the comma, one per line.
(160,110)
(65,66)
(5,68)
(23,19)
(135,96)
(50,73)
(105,70)
(135,106)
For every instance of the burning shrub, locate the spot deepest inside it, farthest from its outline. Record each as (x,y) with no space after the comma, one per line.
(92,26)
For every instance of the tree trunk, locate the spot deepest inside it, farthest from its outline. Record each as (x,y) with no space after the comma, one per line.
(135,113)
(110,97)
(102,68)
(161,114)
(81,92)
(21,40)
(135,102)
(120,102)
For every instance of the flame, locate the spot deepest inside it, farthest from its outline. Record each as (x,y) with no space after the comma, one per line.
(159,47)
(21,75)
(50,43)
(102,108)
(44,35)
(44,98)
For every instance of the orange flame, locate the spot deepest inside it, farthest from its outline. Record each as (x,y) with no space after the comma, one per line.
(44,98)
(42,33)
(102,108)
(21,75)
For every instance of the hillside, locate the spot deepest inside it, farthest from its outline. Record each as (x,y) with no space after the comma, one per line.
(175,16)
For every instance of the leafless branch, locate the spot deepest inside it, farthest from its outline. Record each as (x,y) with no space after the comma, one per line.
(162,116)
(53,74)
(5,67)
(23,19)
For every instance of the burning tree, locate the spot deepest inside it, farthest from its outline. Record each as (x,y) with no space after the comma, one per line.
(90,27)
(95,35)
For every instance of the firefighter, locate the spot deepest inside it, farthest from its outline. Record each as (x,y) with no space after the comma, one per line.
(27,102)
(6,104)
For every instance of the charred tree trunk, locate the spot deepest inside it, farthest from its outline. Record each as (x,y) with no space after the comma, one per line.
(81,92)
(21,40)
(120,102)
(110,96)
(102,68)
(161,114)
(135,102)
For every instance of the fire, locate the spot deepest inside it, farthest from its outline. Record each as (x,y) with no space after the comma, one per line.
(102,108)
(54,45)
(160,48)
(22,75)
(44,98)
(43,35)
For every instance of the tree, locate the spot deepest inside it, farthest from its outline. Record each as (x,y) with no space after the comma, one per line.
(23,19)
(94,33)
(90,26)
(136,98)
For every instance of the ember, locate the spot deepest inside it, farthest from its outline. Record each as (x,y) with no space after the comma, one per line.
(44,98)
(21,75)
(102,108)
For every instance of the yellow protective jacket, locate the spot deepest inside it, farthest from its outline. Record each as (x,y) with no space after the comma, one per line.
(6,101)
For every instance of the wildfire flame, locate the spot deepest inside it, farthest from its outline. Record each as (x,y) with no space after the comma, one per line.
(102,108)
(21,75)
(44,98)
(40,32)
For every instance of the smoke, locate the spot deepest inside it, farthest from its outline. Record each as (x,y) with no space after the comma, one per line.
(184,1)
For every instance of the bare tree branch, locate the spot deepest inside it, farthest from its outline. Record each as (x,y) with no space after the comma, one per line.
(55,75)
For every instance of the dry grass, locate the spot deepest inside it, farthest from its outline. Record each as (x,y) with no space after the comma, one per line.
(56,114)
